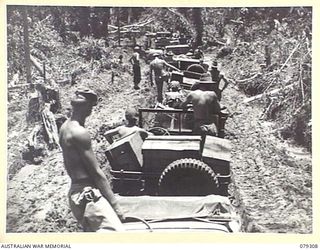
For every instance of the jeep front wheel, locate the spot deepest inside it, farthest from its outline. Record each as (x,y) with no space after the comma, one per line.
(187,177)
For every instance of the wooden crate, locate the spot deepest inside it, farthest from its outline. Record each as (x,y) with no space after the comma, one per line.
(159,151)
(125,153)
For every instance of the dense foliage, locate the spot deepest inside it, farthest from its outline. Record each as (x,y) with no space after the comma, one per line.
(273,43)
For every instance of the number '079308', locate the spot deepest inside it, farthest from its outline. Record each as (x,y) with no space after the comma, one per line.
(307,246)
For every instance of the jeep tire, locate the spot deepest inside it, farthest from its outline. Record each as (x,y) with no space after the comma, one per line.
(188,177)
(197,68)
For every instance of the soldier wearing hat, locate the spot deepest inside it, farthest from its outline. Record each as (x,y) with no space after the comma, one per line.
(131,116)
(207,84)
(135,61)
(169,57)
(157,67)
(175,95)
(198,53)
(91,199)
(174,86)
(217,77)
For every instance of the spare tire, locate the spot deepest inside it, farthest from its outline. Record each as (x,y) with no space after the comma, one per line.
(197,68)
(188,177)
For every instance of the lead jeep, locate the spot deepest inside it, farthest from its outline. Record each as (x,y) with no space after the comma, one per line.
(172,161)
(211,213)
(173,180)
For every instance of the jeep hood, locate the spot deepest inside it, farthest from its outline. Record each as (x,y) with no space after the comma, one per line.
(212,212)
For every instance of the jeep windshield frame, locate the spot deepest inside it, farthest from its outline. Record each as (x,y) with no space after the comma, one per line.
(176,116)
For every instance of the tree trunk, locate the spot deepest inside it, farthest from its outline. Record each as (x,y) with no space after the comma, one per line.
(59,22)
(106,21)
(83,21)
(129,15)
(198,23)
(94,22)
(118,25)
(267,55)
(26,43)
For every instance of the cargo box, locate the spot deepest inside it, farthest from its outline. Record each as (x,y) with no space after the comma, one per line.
(192,74)
(175,75)
(178,49)
(187,83)
(217,154)
(125,153)
(184,63)
(159,151)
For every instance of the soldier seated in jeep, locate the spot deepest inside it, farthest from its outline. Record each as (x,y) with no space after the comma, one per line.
(131,116)
(198,53)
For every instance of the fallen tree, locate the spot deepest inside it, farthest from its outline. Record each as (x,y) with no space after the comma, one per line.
(270,93)
(129,28)
(249,79)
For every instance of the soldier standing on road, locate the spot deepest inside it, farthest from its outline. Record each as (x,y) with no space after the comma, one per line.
(206,108)
(135,61)
(91,199)
(217,76)
(157,67)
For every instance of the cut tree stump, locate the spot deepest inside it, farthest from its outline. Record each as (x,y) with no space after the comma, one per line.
(33,114)
(50,94)
(50,126)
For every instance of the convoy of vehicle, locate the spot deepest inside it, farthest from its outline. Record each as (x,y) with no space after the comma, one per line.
(174,180)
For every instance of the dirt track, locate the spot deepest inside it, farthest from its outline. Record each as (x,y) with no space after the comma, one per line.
(272,180)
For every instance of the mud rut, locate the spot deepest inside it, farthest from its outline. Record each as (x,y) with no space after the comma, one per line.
(271,180)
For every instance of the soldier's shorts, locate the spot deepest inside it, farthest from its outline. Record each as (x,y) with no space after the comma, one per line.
(92,210)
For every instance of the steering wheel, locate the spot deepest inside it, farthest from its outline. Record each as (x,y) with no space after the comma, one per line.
(159,131)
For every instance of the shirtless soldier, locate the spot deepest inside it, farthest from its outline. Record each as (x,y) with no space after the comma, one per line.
(157,66)
(135,61)
(217,76)
(206,108)
(91,199)
(131,116)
